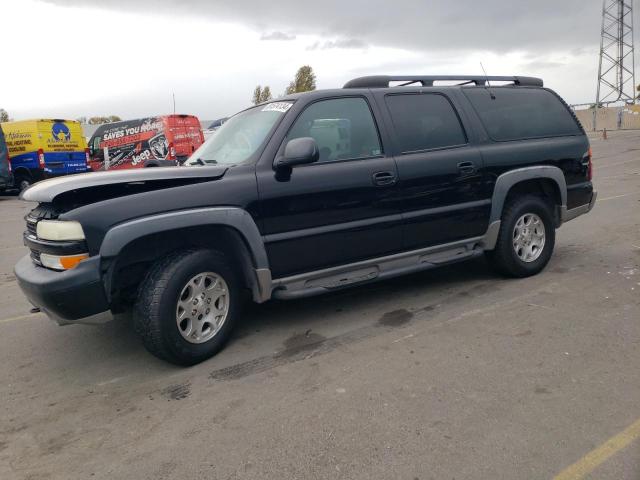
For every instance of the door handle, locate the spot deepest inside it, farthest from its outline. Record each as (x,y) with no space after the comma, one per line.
(383,178)
(467,168)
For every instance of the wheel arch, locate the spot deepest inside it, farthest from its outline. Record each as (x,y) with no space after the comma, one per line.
(129,248)
(546,180)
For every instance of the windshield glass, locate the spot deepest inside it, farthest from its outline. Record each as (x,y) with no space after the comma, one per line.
(240,136)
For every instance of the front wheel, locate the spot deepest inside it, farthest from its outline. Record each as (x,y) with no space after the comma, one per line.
(187,306)
(526,239)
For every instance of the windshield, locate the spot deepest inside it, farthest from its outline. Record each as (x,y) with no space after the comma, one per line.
(239,137)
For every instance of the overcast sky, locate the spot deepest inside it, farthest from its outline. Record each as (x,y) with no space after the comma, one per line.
(71,58)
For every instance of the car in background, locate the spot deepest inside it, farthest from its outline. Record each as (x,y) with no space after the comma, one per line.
(45,148)
(160,141)
(213,127)
(6,179)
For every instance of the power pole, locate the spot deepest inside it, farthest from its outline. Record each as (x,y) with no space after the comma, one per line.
(616,70)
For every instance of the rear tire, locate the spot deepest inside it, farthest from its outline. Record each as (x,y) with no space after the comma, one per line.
(187,306)
(526,239)
(22,182)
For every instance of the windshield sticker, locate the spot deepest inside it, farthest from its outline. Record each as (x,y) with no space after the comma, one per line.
(277,107)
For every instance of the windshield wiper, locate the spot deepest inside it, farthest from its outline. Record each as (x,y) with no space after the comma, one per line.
(199,161)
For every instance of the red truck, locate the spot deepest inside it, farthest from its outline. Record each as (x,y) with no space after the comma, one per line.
(166,140)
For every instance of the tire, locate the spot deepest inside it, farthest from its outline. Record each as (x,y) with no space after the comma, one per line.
(166,289)
(512,245)
(22,182)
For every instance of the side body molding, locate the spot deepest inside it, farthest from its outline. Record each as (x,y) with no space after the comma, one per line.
(240,220)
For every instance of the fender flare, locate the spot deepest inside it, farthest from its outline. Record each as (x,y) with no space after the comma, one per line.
(122,234)
(508,179)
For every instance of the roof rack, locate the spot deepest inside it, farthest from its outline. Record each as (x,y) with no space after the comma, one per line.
(382,81)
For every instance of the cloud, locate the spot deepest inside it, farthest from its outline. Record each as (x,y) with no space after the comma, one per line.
(345,43)
(494,25)
(277,35)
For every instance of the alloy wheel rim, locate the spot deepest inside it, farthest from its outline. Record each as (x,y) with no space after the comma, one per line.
(529,237)
(202,307)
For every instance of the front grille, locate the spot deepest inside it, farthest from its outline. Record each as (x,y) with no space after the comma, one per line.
(35,256)
(32,226)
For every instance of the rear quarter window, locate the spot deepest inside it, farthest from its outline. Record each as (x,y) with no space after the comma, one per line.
(521,113)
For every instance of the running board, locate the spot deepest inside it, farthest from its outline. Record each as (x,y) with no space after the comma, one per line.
(322,281)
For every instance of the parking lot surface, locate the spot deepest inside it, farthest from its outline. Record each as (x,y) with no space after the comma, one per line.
(454,373)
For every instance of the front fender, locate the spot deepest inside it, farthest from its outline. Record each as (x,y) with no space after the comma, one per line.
(121,235)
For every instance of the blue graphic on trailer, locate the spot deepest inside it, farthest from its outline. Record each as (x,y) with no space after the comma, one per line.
(60,132)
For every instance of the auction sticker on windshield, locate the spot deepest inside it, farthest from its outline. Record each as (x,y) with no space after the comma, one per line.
(277,107)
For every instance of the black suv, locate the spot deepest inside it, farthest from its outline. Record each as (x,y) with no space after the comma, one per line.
(308,194)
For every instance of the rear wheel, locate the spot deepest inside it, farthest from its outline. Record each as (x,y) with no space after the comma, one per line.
(526,239)
(22,182)
(187,306)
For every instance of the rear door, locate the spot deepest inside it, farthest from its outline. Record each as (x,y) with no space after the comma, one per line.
(339,210)
(440,171)
(60,144)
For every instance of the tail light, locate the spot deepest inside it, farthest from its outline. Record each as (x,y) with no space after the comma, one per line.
(172,152)
(9,162)
(589,166)
(87,158)
(41,158)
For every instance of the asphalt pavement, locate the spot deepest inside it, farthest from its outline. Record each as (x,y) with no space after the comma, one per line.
(453,373)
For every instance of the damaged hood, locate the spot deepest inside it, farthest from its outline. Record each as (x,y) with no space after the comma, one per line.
(140,179)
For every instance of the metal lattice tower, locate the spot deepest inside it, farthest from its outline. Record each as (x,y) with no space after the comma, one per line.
(616,73)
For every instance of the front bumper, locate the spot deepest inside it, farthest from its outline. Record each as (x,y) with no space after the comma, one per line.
(72,296)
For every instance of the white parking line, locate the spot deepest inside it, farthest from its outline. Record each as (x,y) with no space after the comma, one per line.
(598,167)
(21,317)
(617,196)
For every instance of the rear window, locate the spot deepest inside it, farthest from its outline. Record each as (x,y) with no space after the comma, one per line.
(521,113)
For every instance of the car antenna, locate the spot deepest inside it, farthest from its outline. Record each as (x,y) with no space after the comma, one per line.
(488,87)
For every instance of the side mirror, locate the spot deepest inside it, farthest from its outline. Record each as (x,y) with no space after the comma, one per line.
(298,151)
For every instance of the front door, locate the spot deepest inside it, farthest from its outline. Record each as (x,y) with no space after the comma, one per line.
(440,173)
(340,209)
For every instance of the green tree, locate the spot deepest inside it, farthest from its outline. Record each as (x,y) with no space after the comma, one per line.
(304,81)
(261,95)
(266,94)
(4,116)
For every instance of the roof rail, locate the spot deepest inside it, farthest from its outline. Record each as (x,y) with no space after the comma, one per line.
(382,81)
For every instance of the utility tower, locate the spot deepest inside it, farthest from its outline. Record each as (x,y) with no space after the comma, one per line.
(616,73)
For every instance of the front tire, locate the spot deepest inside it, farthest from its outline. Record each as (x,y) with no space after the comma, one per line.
(526,239)
(187,306)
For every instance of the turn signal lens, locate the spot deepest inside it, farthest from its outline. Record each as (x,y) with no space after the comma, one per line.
(62,262)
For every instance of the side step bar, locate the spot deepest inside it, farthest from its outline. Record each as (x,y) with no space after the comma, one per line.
(322,281)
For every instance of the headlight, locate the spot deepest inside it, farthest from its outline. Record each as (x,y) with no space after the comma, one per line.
(59,230)
(62,262)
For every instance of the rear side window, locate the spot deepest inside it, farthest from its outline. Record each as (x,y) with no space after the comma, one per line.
(424,122)
(521,113)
